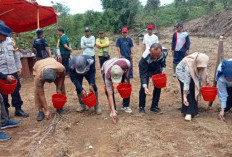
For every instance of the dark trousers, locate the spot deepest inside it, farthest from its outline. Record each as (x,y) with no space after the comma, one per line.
(102,59)
(178,56)
(65,60)
(229,99)
(126,102)
(16,98)
(155,98)
(193,105)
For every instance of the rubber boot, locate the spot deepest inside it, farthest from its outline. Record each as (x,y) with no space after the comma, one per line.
(97,107)
(174,69)
(82,106)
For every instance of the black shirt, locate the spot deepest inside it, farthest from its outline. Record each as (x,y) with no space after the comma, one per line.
(40,44)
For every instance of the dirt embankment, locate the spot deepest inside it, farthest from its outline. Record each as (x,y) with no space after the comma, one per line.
(212,26)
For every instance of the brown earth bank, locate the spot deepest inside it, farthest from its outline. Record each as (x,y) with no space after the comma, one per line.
(134,135)
(212,26)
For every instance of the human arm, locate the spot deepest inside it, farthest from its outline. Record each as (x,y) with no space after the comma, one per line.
(118,44)
(143,73)
(75,79)
(187,43)
(90,76)
(223,95)
(92,43)
(102,45)
(173,43)
(60,82)
(83,44)
(18,63)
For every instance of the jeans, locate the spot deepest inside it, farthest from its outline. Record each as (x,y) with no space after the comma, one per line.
(155,98)
(178,56)
(65,61)
(193,105)
(3,113)
(229,99)
(16,98)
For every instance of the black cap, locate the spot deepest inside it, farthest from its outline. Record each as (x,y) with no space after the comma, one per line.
(179,25)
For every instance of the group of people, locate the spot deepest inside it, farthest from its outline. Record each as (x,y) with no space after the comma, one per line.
(190,70)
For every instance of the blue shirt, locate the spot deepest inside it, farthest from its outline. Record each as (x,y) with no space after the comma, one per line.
(125,45)
(222,85)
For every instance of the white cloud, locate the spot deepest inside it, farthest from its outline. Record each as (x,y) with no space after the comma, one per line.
(80,6)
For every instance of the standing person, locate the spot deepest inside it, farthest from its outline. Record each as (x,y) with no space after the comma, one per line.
(153,63)
(224,84)
(149,39)
(5,122)
(102,44)
(192,75)
(116,70)
(47,70)
(40,46)
(80,67)
(10,64)
(88,43)
(125,45)
(180,45)
(65,48)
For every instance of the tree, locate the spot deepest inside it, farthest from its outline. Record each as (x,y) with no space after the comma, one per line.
(119,13)
(152,5)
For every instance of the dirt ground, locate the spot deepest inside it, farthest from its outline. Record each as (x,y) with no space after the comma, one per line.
(135,135)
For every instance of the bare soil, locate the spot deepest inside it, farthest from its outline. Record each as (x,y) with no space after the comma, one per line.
(135,135)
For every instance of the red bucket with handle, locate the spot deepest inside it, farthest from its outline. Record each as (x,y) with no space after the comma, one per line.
(59,100)
(159,80)
(8,87)
(90,100)
(209,93)
(124,90)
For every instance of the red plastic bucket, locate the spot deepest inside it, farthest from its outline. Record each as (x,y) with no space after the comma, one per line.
(59,100)
(124,90)
(209,93)
(159,80)
(106,89)
(90,100)
(8,87)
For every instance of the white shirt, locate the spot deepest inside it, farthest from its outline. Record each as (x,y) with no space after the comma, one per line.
(148,40)
(87,45)
(181,39)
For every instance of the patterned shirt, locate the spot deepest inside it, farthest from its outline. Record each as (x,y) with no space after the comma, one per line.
(106,69)
(9,60)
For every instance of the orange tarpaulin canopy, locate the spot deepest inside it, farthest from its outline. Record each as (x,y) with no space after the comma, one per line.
(22,15)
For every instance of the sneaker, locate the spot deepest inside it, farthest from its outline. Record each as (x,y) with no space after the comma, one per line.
(188,117)
(4,137)
(98,109)
(141,110)
(61,111)
(156,110)
(21,113)
(111,113)
(10,124)
(126,109)
(40,116)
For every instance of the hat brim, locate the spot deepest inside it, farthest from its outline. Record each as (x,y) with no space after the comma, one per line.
(6,34)
(116,80)
(80,71)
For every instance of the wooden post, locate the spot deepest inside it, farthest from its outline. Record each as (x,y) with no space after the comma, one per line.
(219,60)
(38,25)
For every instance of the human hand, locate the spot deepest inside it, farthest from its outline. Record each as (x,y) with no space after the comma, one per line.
(114,117)
(172,53)
(221,114)
(47,114)
(10,78)
(19,72)
(91,89)
(186,101)
(83,93)
(147,91)
(119,56)
(187,53)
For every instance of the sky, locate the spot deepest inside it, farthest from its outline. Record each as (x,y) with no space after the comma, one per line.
(80,6)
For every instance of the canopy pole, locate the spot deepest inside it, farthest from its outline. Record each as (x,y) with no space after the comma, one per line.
(38,26)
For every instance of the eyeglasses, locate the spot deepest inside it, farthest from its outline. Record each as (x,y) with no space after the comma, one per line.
(101,33)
